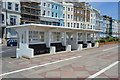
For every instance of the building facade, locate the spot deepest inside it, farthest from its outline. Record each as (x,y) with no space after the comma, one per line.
(51,13)
(68,15)
(10,16)
(30,12)
(107,26)
(114,28)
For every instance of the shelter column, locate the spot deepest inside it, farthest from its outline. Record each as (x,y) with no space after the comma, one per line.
(64,38)
(85,37)
(93,37)
(27,37)
(75,37)
(48,38)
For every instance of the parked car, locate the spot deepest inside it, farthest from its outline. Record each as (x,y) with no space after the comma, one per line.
(11,42)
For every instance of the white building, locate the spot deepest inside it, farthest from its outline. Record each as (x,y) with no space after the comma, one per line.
(68,15)
(96,21)
(114,28)
(51,13)
(10,16)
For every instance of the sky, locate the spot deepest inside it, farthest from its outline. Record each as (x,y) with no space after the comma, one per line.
(107,8)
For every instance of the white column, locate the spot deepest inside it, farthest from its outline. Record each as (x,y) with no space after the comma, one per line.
(64,39)
(75,41)
(80,47)
(52,50)
(68,48)
(27,37)
(92,37)
(20,39)
(85,37)
(75,37)
(48,38)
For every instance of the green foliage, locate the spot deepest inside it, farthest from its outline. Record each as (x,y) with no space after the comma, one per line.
(101,40)
(108,39)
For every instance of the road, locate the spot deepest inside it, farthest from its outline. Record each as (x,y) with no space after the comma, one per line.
(91,63)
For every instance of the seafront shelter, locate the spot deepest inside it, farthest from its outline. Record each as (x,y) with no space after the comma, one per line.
(36,39)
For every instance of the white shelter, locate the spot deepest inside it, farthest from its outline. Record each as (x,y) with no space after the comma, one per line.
(34,39)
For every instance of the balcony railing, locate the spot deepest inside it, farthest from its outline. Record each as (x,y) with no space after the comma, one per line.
(31,6)
(35,13)
(30,19)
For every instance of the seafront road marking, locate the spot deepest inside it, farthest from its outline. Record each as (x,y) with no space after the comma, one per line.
(16,71)
(20,70)
(110,48)
(103,70)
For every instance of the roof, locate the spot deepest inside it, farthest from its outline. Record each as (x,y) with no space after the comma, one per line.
(51,26)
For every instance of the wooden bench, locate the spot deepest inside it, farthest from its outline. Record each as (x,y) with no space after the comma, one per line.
(39,48)
(88,41)
(92,44)
(59,46)
(84,44)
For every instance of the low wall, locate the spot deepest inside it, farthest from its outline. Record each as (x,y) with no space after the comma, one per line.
(24,51)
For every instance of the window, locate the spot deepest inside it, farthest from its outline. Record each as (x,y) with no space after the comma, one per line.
(68,16)
(74,25)
(71,16)
(44,4)
(77,25)
(81,12)
(71,24)
(56,7)
(2,18)
(48,5)
(63,15)
(52,14)
(44,12)
(36,36)
(63,23)
(63,8)
(9,5)
(13,20)
(48,13)
(80,18)
(68,24)
(56,36)
(88,26)
(91,15)
(52,6)
(68,9)
(77,18)
(16,7)
(71,9)
(41,36)
(56,15)
(81,25)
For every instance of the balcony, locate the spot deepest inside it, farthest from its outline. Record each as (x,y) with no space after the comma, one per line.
(30,19)
(32,6)
(31,12)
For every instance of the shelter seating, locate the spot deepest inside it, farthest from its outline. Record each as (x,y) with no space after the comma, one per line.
(84,44)
(88,41)
(39,48)
(92,44)
(59,46)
